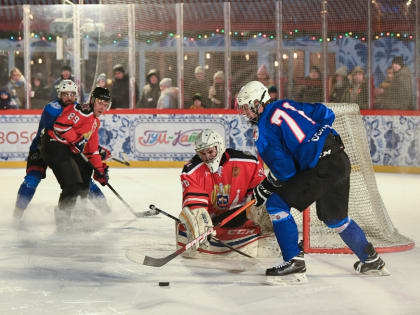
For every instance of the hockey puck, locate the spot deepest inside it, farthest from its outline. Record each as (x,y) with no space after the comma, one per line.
(164,283)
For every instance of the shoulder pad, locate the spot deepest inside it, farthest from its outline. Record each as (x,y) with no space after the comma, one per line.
(53,108)
(240,155)
(192,164)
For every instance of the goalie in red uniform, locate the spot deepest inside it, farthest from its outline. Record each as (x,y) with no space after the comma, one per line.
(74,132)
(215,183)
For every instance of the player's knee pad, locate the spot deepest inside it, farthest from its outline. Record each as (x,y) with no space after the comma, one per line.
(194,223)
(338,225)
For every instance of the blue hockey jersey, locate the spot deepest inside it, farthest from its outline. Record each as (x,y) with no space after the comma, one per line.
(49,114)
(291,135)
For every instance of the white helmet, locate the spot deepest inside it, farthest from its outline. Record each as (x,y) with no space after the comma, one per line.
(209,138)
(253,94)
(66,86)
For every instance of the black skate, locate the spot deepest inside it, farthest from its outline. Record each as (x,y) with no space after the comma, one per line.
(373,266)
(289,272)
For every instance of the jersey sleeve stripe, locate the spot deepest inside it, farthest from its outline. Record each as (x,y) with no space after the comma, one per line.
(243,160)
(192,170)
(196,194)
(196,199)
(61,124)
(196,205)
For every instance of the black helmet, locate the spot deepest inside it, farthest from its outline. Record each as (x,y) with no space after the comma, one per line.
(101,93)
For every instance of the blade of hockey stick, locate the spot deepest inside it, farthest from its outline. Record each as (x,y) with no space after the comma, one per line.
(121,161)
(159,262)
(154,208)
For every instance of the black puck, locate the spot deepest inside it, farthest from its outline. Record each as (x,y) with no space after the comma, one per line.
(164,283)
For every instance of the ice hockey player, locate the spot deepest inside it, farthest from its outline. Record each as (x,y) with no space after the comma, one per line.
(75,132)
(307,163)
(216,182)
(36,166)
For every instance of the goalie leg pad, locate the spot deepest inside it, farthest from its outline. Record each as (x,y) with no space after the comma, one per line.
(196,222)
(260,216)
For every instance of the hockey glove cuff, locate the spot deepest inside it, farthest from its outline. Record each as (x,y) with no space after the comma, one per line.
(101,174)
(78,146)
(265,189)
(104,153)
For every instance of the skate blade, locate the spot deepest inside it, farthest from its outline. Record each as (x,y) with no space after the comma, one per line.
(292,279)
(377,273)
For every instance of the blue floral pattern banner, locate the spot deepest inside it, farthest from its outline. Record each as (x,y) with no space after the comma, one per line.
(393,140)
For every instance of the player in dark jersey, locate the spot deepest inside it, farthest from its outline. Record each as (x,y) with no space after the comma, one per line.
(36,166)
(75,132)
(307,163)
(216,182)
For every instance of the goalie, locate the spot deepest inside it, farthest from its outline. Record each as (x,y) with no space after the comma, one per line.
(215,183)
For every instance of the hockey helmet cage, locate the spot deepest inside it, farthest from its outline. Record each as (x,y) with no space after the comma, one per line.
(66,86)
(208,138)
(253,94)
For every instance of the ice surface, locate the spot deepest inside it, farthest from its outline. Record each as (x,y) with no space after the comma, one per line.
(42,272)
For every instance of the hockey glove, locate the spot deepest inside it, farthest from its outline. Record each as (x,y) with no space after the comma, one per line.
(104,153)
(265,189)
(101,174)
(78,146)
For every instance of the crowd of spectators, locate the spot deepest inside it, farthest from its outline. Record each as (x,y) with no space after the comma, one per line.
(395,92)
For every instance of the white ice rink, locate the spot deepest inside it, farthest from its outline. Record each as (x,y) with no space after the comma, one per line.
(42,272)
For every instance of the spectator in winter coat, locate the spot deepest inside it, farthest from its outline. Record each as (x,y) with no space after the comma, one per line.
(17,87)
(312,91)
(66,75)
(263,76)
(400,94)
(358,89)
(217,91)
(6,101)
(168,95)
(39,92)
(339,85)
(120,89)
(382,92)
(199,85)
(151,91)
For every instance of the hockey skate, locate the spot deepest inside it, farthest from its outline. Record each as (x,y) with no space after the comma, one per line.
(373,266)
(289,272)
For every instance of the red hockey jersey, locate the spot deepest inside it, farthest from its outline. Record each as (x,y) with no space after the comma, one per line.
(224,190)
(74,124)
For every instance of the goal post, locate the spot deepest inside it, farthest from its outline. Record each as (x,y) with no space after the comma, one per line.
(365,203)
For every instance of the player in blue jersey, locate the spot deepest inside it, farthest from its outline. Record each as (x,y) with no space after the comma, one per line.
(36,167)
(307,163)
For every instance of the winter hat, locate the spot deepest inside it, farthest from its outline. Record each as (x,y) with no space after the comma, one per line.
(167,82)
(65,68)
(118,68)
(358,69)
(315,68)
(100,77)
(262,70)
(399,60)
(219,74)
(197,96)
(342,71)
(198,69)
(272,89)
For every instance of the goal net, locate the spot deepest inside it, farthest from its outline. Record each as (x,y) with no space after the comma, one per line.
(365,203)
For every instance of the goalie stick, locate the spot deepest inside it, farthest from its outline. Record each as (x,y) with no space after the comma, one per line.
(154,208)
(159,262)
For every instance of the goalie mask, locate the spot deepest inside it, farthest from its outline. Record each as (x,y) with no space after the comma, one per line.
(204,143)
(251,97)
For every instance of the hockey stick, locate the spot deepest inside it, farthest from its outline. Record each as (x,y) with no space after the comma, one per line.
(159,262)
(126,163)
(153,207)
(136,214)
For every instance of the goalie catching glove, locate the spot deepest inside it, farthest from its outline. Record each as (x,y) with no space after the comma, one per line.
(101,174)
(265,189)
(196,222)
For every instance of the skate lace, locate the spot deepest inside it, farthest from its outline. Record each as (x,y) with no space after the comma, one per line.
(283,264)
